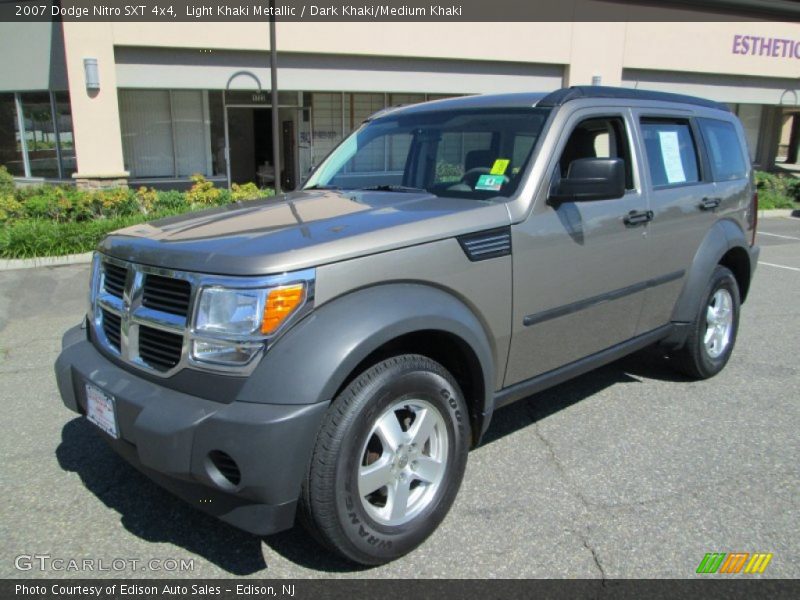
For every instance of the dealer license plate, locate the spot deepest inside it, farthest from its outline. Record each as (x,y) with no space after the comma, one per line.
(100,410)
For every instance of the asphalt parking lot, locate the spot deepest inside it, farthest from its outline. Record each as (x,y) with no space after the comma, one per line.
(629,471)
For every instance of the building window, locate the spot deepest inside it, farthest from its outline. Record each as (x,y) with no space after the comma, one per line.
(327,121)
(45,147)
(40,135)
(66,137)
(337,114)
(10,141)
(166,133)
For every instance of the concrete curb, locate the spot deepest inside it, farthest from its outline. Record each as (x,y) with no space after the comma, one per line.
(777,212)
(45,261)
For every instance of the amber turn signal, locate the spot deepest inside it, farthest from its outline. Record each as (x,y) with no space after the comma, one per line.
(281,303)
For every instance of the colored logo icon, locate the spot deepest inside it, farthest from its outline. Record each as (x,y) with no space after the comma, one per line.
(734,562)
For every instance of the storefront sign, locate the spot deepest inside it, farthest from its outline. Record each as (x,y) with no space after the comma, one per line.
(754,45)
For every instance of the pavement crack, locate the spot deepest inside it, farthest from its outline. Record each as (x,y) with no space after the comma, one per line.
(562,471)
(597,563)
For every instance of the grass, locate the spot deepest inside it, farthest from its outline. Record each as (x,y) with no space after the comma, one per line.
(41,237)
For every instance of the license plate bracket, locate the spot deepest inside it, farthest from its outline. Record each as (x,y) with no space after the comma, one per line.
(101,410)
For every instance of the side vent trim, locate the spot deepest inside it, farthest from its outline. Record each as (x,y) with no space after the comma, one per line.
(486,244)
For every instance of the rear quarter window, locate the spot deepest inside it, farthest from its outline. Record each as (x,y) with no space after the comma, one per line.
(724,150)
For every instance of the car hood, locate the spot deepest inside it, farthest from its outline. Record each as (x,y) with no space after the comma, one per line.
(299,230)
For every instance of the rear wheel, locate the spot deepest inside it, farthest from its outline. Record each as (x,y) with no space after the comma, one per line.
(712,335)
(388,461)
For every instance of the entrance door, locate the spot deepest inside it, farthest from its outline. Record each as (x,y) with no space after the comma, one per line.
(249,131)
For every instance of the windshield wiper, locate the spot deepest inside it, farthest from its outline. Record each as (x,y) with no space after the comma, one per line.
(394,188)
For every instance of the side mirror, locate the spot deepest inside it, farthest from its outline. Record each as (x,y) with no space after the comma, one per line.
(590,179)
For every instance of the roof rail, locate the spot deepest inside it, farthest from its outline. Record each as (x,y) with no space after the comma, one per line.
(577,92)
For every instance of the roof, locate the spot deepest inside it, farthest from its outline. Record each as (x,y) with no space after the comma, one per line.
(519,100)
(553,99)
(578,92)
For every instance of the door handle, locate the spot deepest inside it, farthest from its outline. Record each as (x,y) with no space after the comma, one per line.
(710,203)
(637,217)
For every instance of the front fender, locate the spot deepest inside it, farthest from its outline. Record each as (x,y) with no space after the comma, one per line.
(312,360)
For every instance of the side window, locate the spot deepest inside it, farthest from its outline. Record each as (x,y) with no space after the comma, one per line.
(724,150)
(604,137)
(671,152)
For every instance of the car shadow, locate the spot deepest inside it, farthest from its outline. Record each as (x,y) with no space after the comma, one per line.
(152,514)
(650,363)
(148,511)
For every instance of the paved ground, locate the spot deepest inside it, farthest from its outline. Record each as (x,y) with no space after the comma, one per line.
(629,471)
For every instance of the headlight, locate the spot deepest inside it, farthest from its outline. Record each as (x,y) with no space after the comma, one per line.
(236,312)
(232,325)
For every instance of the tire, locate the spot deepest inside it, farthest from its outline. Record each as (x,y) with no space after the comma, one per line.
(367,439)
(704,355)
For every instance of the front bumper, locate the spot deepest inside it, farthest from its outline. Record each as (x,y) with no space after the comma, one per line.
(168,435)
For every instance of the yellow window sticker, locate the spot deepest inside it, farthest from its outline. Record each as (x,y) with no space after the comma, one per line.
(499,167)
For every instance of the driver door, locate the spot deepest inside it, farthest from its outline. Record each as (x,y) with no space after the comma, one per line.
(580,267)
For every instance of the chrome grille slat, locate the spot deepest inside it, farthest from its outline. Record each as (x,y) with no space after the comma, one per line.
(112,325)
(160,349)
(114,278)
(167,294)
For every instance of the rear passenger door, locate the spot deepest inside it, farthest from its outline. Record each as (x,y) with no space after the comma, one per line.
(578,265)
(678,182)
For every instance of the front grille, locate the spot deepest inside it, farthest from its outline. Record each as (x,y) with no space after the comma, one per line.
(160,350)
(111,328)
(167,294)
(114,279)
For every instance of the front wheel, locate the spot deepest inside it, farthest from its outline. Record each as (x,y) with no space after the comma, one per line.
(712,335)
(388,461)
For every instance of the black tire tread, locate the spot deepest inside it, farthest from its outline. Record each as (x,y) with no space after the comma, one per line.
(687,359)
(317,500)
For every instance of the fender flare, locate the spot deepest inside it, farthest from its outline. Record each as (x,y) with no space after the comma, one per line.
(721,238)
(309,364)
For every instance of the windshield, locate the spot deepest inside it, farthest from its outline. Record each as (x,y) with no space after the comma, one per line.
(470,153)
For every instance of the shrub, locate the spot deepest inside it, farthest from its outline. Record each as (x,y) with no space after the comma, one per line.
(6,182)
(10,208)
(46,202)
(116,202)
(246,191)
(146,199)
(202,192)
(777,191)
(48,220)
(39,237)
(446,171)
(171,200)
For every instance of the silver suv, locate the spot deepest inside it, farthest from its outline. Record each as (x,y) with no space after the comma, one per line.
(335,352)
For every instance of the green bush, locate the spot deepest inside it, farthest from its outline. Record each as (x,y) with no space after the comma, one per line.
(171,200)
(10,208)
(203,192)
(777,190)
(6,182)
(246,191)
(447,172)
(38,237)
(47,220)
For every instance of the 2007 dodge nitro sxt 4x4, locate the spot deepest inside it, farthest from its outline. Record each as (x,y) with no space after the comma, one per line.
(336,351)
